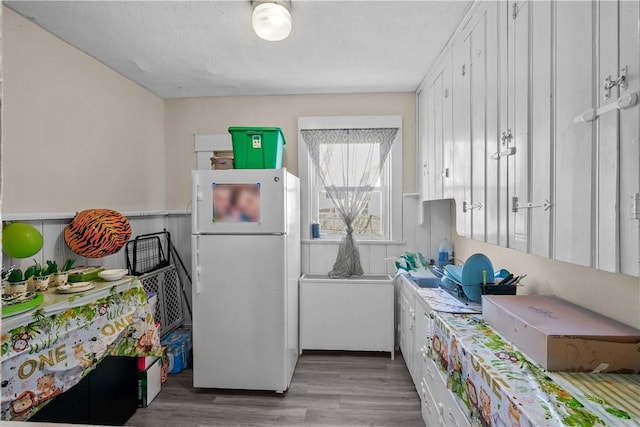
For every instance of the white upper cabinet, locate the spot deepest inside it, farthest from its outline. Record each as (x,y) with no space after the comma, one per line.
(475,122)
(541,138)
(607,164)
(517,127)
(447,128)
(478,116)
(574,205)
(423,143)
(493,215)
(461,147)
(517,136)
(628,148)
(435,135)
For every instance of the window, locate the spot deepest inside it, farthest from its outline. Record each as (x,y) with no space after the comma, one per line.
(361,156)
(376,220)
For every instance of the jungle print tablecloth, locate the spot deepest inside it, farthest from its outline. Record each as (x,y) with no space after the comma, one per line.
(501,387)
(53,352)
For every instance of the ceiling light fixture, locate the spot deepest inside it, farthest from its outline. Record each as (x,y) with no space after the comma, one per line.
(271,19)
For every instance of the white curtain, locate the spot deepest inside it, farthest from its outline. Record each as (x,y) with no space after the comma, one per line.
(348,163)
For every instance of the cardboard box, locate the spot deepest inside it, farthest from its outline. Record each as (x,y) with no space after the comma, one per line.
(149,383)
(221,163)
(562,336)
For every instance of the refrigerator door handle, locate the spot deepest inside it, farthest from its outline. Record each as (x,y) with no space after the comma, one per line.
(195,260)
(195,198)
(198,272)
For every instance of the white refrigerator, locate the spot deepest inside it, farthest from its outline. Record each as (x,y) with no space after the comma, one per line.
(246,265)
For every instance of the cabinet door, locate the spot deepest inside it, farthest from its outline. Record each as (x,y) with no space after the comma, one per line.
(540,136)
(573,201)
(492,211)
(402,322)
(406,327)
(478,93)
(518,99)
(430,410)
(607,249)
(475,124)
(447,129)
(429,148)
(461,135)
(529,99)
(430,107)
(438,97)
(501,162)
(617,156)
(629,148)
(423,143)
(420,340)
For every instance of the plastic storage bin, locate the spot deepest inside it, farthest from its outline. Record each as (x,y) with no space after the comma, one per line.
(179,345)
(257,148)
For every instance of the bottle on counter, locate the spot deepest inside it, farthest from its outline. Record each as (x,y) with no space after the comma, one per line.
(445,253)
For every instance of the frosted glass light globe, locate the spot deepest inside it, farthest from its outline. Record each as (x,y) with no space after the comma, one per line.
(271,21)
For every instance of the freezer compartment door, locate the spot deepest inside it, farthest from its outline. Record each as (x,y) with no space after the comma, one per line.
(239,309)
(240,201)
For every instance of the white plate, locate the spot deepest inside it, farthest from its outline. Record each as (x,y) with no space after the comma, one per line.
(113,275)
(72,288)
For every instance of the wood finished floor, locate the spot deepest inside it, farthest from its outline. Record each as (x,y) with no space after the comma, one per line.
(328,389)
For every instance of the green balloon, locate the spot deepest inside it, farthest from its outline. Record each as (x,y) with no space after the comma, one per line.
(20,240)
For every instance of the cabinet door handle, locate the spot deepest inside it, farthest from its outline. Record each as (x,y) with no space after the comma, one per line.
(504,153)
(467,206)
(517,204)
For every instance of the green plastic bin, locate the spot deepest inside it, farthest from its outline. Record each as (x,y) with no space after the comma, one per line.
(257,148)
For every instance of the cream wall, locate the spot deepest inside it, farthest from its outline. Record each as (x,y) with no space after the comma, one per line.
(613,295)
(185,117)
(76,134)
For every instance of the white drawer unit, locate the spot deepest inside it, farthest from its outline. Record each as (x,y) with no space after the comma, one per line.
(429,408)
(440,407)
(447,404)
(355,314)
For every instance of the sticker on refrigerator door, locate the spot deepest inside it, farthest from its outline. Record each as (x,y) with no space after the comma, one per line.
(236,202)
(257,141)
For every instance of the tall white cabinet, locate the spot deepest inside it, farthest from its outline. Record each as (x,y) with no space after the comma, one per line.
(528,122)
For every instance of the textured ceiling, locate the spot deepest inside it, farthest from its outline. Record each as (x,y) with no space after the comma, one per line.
(208,48)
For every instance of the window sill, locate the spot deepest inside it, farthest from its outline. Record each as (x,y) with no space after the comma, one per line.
(358,241)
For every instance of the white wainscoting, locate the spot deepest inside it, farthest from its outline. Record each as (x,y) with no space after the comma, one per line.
(54,247)
(317,256)
(377,257)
